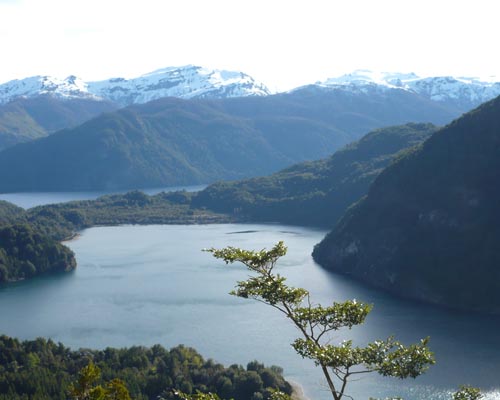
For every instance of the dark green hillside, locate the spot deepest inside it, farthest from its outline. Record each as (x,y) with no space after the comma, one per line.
(10,213)
(42,369)
(23,120)
(173,141)
(430,226)
(25,253)
(317,192)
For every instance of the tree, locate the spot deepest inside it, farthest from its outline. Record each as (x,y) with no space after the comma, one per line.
(339,363)
(467,393)
(85,387)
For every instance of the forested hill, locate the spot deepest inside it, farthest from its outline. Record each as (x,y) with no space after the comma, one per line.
(318,192)
(429,227)
(25,250)
(42,369)
(172,141)
(26,253)
(10,213)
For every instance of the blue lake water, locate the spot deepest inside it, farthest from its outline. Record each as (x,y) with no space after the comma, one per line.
(141,285)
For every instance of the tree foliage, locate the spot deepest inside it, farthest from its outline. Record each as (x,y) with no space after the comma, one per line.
(339,363)
(86,387)
(467,393)
(42,369)
(25,253)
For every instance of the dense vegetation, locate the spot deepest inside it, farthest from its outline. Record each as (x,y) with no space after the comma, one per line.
(25,253)
(61,221)
(429,227)
(23,120)
(317,192)
(9,213)
(43,370)
(173,141)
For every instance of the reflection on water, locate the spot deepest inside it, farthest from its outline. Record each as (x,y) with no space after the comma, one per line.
(141,285)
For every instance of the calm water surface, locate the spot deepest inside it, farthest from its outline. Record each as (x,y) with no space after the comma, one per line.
(141,285)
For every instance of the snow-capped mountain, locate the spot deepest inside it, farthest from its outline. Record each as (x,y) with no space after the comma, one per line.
(185,82)
(69,88)
(461,90)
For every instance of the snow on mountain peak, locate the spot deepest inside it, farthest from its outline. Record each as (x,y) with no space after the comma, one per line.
(467,91)
(186,82)
(71,87)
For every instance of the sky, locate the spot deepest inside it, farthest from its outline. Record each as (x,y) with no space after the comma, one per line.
(283,43)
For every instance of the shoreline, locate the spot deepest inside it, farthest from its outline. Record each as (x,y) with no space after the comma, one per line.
(71,238)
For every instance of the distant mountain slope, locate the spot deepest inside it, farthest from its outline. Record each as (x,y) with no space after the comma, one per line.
(167,142)
(429,227)
(354,112)
(317,192)
(23,120)
(173,141)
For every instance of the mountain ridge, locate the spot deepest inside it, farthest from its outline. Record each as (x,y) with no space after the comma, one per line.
(192,81)
(466,92)
(183,82)
(174,141)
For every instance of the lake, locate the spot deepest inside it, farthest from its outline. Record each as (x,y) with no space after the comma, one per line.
(141,285)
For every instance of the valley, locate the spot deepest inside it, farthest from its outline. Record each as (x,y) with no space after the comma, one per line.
(144,243)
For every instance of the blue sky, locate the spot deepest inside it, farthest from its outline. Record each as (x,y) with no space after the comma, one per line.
(282,43)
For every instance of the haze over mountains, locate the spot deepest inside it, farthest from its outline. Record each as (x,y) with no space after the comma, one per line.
(173,141)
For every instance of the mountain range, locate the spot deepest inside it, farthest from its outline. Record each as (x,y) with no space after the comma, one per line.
(464,92)
(192,81)
(185,82)
(175,141)
(38,106)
